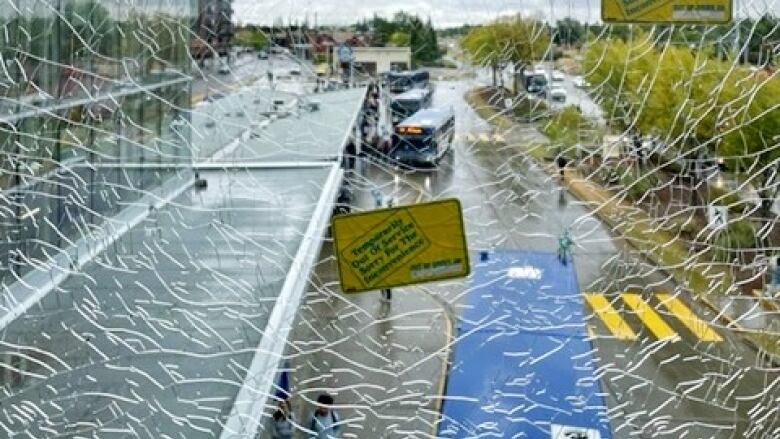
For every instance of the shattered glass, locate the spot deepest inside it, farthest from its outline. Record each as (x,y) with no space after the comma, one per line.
(169,170)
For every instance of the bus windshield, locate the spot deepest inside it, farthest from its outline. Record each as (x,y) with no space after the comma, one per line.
(399,84)
(415,142)
(408,106)
(404,109)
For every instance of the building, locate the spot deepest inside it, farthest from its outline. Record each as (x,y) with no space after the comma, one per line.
(376,60)
(214,29)
(285,35)
(90,119)
(153,252)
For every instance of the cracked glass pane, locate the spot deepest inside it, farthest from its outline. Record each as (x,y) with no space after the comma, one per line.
(191,192)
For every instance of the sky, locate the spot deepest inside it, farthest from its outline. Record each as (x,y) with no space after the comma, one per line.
(443,13)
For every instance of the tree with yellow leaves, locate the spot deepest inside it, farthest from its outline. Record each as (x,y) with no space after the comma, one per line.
(699,104)
(515,41)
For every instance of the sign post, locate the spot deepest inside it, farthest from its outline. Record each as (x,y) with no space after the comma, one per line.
(667,11)
(399,246)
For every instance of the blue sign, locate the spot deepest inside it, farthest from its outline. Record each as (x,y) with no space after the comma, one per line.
(523,365)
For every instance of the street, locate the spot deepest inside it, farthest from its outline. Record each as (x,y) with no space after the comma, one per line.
(244,69)
(664,371)
(211,228)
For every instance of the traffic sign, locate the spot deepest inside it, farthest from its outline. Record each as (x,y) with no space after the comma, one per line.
(405,245)
(666,11)
(717,216)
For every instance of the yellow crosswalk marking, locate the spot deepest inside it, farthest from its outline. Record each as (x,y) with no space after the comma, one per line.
(498,138)
(688,318)
(484,138)
(610,317)
(649,317)
(469,137)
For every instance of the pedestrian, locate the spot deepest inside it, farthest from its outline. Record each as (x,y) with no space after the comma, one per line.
(283,421)
(561,165)
(564,246)
(774,275)
(324,423)
(350,155)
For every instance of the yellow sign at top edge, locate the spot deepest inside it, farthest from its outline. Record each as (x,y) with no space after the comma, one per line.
(405,245)
(667,11)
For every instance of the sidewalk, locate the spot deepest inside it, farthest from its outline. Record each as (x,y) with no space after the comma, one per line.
(708,281)
(385,365)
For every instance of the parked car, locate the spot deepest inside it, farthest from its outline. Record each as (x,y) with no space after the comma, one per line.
(262,54)
(557,76)
(223,69)
(558,93)
(580,82)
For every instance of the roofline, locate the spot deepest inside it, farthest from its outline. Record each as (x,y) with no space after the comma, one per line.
(252,399)
(413,92)
(25,292)
(440,116)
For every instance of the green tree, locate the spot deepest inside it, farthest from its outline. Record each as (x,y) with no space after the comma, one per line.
(517,41)
(251,37)
(569,32)
(408,30)
(700,105)
(400,39)
(482,45)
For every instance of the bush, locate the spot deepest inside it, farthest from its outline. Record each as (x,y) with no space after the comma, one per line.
(528,108)
(320,58)
(564,126)
(636,188)
(684,223)
(737,235)
(722,196)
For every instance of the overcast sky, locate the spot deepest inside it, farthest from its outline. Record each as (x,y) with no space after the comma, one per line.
(443,13)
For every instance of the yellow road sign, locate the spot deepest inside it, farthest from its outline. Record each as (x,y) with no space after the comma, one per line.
(405,245)
(666,11)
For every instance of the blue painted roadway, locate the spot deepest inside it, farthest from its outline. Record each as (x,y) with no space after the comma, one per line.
(523,361)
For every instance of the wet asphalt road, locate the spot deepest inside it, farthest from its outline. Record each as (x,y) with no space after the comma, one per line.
(673,378)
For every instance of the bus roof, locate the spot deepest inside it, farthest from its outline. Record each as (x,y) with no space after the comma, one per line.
(429,117)
(414,94)
(408,73)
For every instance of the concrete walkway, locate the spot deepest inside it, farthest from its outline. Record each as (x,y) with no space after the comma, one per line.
(384,364)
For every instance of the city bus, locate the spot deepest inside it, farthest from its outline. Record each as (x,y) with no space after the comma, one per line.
(400,82)
(535,81)
(424,137)
(410,102)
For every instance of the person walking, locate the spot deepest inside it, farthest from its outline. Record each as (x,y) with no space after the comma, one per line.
(564,246)
(324,423)
(282,427)
(562,161)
